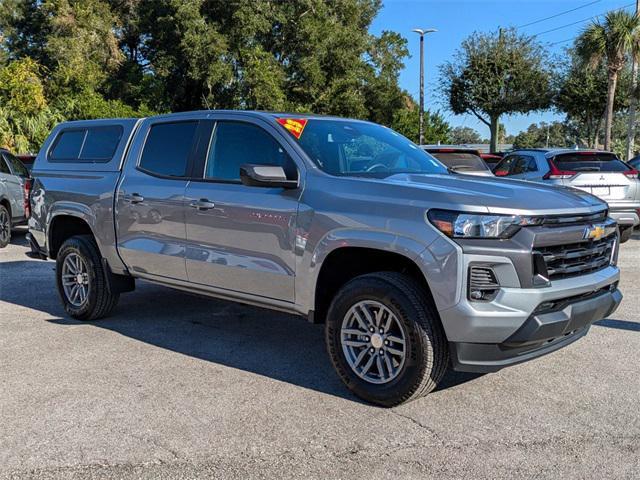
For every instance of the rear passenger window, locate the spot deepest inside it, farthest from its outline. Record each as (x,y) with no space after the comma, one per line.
(236,143)
(101,143)
(92,144)
(166,151)
(68,145)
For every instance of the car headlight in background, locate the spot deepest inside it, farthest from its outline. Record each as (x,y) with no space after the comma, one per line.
(478,225)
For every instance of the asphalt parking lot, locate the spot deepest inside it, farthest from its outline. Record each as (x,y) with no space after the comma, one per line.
(177,386)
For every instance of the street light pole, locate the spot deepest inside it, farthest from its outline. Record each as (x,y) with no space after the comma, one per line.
(422,33)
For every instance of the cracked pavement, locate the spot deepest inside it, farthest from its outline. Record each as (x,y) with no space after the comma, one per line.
(178,386)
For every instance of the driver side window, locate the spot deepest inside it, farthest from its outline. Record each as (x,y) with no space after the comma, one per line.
(236,143)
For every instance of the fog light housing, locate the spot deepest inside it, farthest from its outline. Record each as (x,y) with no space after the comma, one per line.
(483,285)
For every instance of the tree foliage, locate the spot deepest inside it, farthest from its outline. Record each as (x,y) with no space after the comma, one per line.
(436,129)
(554,134)
(99,58)
(581,94)
(465,135)
(610,43)
(495,74)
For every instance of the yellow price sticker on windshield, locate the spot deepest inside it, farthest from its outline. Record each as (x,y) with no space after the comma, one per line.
(294,125)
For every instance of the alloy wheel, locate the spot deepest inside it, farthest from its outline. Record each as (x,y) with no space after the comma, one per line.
(75,279)
(373,342)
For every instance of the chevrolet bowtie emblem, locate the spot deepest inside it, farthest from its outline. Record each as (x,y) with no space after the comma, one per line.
(594,232)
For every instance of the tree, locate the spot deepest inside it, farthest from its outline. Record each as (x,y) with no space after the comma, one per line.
(610,43)
(581,93)
(541,135)
(497,74)
(436,129)
(463,135)
(25,116)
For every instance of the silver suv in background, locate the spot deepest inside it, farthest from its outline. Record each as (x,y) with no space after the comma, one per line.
(600,173)
(14,195)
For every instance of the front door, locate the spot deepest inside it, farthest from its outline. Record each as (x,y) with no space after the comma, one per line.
(242,238)
(151,202)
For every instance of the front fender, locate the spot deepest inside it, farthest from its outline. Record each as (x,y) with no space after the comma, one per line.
(312,259)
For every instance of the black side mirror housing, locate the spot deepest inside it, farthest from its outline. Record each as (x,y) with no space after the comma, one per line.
(272,176)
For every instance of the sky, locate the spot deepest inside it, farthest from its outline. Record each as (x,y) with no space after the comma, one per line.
(457,19)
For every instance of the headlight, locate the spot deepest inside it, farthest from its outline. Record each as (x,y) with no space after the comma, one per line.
(474,225)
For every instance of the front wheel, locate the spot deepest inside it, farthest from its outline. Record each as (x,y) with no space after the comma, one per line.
(81,280)
(385,340)
(625,234)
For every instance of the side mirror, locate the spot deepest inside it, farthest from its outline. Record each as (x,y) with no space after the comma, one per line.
(265,176)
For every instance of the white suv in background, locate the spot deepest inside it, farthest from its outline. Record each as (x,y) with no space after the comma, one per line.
(14,195)
(600,173)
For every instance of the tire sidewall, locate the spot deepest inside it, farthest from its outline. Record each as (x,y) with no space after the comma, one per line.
(78,247)
(414,365)
(4,244)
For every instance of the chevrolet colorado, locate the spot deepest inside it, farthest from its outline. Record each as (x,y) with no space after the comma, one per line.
(412,268)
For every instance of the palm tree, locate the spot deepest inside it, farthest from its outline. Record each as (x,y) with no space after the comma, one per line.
(612,42)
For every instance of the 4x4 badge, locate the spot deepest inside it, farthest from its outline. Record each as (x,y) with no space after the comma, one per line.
(594,232)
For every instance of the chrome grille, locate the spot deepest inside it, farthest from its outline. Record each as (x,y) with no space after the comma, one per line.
(564,261)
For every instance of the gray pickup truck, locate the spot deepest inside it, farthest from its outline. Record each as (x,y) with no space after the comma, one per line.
(411,268)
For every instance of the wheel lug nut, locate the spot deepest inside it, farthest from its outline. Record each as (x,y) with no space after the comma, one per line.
(381,331)
(386,342)
(371,329)
(366,339)
(381,352)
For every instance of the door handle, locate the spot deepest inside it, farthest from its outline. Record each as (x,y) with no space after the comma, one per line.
(202,204)
(134,198)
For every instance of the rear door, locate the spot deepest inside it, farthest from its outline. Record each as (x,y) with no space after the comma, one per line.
(242,238)
(151,199)
(13,184)
(601,174)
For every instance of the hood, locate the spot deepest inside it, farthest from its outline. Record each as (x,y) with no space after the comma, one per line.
(498,195)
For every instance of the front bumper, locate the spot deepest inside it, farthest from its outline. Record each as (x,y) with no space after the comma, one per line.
(540,334)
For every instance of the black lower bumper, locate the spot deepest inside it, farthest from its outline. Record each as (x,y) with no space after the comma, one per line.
(541,334)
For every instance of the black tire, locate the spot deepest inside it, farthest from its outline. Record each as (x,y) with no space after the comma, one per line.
(625,234)
(426,357)
(5,226)
(100,300)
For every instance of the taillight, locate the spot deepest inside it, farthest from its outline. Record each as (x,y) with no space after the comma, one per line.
(555,174)
(501,173)
(26,190)
(631,174)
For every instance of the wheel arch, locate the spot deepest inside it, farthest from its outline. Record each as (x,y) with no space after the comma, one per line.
(66,224)
(351,259)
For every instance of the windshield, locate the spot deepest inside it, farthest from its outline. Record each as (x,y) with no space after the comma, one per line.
(461,160)
(590,162)
(354,148)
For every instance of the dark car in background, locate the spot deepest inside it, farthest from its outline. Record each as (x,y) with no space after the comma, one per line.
(459,159)
(27,160)
(491,159)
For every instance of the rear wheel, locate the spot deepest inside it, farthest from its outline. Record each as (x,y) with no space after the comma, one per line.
(5,226)
(81,280)
(625,234)
(385,340)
